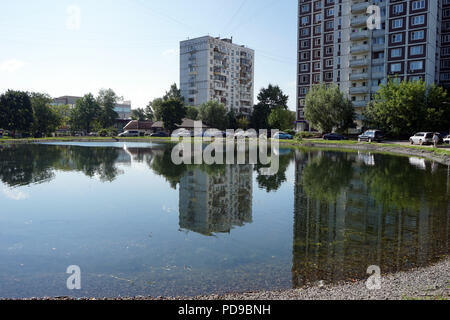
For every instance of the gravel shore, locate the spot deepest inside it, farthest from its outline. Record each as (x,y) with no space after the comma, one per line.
(430,283)
(425,283)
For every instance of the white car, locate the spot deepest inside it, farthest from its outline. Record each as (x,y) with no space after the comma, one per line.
(182,133)
(128,134)
(447,139)
(422,138)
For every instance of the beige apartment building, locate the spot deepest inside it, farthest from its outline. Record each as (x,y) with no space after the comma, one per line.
(214,69)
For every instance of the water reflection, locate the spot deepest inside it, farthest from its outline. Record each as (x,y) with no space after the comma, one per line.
(215,203)
(344,212)
(351,213)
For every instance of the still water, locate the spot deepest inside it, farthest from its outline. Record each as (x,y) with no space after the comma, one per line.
(136,224)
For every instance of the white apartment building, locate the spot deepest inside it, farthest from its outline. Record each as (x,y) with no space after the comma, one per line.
(337,46)
(214,69)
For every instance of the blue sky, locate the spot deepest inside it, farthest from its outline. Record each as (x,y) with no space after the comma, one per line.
(132,46)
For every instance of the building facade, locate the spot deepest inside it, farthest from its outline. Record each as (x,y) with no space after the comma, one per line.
(123,109)
(340,42)
(214,69)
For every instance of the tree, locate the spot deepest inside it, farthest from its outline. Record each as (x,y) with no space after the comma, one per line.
(327,108)
(273,97)
(232,120)
(45,119)
(268,99)
(173,93)
(155,106)
(192,113)
(281,119)
(404,108)
(172,113)
(16,112)
(242,123)
(214,114)
(107,100)
(149,112)
(63,112)
(138,114)
(85,112)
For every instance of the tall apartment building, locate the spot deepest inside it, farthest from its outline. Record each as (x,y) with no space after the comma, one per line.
(214,69)
(335,45)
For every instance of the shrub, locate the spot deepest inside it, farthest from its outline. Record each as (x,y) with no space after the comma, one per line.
(291,132)
(298,136)
(103,133)
(308,135)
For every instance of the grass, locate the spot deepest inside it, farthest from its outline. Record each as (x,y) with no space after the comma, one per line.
(426,298)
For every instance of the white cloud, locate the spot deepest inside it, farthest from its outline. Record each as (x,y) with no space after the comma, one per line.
(11,65)
(15,195)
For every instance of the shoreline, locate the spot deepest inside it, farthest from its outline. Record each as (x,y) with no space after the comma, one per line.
(426,283)
(441,155)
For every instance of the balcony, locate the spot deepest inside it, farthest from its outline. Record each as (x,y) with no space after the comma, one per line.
(361,35)
(359,21)
(376,62)
(378,47)
(360,103)
(378,75)
(360,7)
(359,48)
(359,90)
(359,76)
(359,63)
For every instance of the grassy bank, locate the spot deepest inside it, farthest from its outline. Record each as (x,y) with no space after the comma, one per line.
(442,151)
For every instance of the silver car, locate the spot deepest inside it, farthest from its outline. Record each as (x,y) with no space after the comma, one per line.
(422,138)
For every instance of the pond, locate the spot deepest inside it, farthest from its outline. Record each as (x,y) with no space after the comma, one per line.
(136,224)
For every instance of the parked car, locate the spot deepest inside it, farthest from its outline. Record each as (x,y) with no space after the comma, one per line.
(371,136)
(283,136)
(422,138)
(214,133)
(159,135)
(334,136)
(442,136)
(447,139)
(93,134)
(182,133)
(128,134)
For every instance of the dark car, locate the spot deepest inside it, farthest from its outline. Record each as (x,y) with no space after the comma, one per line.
(371,136)
(159,135)
(334,136)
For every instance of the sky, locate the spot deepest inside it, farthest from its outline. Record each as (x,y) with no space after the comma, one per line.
(64,47)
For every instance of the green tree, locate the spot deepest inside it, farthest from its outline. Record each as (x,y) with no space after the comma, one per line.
(214,114)
(268,99)
(107,100)
(327,108)
(45,119)
(149,112)
(192,113)
(242,123)
(172,113)
(138,114)
(281,119)
(16,112)
(232,120)
(84,114)
(155,106)
(63,112)
(173,93)
(403,108)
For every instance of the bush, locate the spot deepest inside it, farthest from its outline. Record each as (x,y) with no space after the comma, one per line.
(298,136)
(113,132)
(103,133)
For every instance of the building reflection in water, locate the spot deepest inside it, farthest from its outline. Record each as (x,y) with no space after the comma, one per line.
(364,219)
(216,202)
